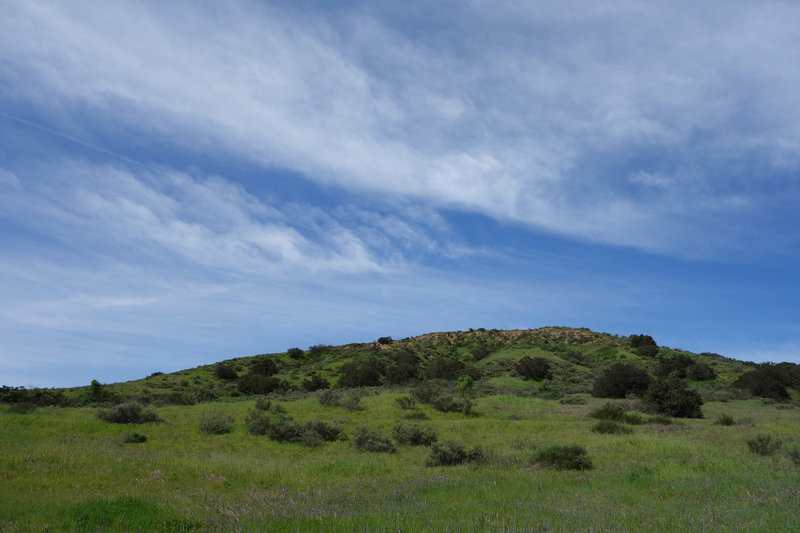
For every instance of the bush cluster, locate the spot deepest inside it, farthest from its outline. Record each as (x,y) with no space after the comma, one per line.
(569,457)
(315,383)
(225,371)
(536,368)
(725,420)
(413,434)
(672,397)
(282,428)
(366,439)
(405,402)
(216,422)
(764,444)
(620,380)
(361,372)
(450,453)
(128,413)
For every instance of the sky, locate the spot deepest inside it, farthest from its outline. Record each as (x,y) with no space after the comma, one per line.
(184,182)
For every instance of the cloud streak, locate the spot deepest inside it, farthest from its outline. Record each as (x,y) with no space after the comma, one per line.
(517,127)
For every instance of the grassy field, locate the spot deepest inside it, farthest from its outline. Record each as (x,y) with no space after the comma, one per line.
(64,469)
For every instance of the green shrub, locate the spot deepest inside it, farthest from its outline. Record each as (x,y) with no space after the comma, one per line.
(135,438)
(764,444)
(794,455)
(128,413)
(352,401)
(225,371)
(609,427)
(672,397)
(282,428)
(328,398)
(571,399)
(405,402)
(326,431)
(536,368)
(414,434)
(416,414)
(621,380)
(263,403)
(256,422)
(366,439)
(608,411)
(264,366)
(216,422)
(258,384)
(570,457)
(725,420)
(365,371)
(660,419)
(447,403)
(450,453)
(427,391)
(634,419)
(295,353)
(315,383)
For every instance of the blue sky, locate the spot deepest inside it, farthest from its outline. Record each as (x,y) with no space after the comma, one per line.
(185,182)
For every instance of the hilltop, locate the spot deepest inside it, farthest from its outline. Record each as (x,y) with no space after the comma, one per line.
(570,361)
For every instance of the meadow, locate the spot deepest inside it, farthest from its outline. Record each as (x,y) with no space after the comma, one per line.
(64,469)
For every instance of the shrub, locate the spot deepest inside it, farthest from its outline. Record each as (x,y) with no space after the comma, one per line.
(672,397)
(22,408)
(258,384)
(264,366)
(263,403)
(405,402)
(128,413)
(794,455)
(634,419)
(608,411)
(450,453)
(621,380)
(256,422)
(764,444)
(571,399)
(317,382)
(701,372)
(135,438)
(725,420)
(444,367)
(674,366)
(326,431)
(427,392)
(361,372)
(318,349)
(416,414)
(764,381)
(295,353)
(536,368)
(366,439)
(570,457)
(225,371)
(328,398)
(385,340)
(644,345)
(447,403)
(216,422)
(403,366)
(414,435)
(609,427)
(352,401)
(660,419)
(282,428)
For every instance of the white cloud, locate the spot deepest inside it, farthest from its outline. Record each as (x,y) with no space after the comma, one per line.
(501,127)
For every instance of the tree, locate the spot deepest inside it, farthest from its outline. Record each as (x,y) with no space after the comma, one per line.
(264,366)
(620,380)
(362,372)
(225,371)
(644,345)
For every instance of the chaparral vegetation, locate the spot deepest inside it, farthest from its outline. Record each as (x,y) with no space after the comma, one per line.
(552,429)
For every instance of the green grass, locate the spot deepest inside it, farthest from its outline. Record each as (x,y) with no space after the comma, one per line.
(64,469)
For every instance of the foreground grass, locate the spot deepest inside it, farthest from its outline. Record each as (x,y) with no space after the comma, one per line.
(63,469)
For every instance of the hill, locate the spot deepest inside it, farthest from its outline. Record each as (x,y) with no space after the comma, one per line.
(552,429)
(576,358)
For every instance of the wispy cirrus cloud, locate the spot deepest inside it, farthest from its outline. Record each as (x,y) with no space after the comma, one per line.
(541,122)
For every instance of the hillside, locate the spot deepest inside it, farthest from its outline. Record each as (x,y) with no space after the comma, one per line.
(458,431)
(576,357)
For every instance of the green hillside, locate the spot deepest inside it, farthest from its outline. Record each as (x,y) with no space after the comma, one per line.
(553,429)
